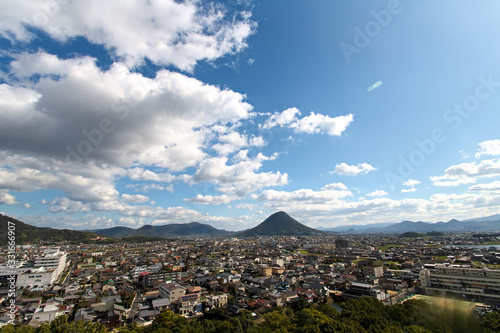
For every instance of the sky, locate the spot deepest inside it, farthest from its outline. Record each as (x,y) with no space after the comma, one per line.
(337,112)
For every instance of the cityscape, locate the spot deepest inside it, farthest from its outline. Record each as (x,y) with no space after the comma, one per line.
(118,283)
(249,166)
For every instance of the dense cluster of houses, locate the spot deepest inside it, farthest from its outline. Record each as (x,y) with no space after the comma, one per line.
(119,284)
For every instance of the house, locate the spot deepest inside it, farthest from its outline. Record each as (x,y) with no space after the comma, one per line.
(161,304)
(217,301)
(172,290)
(108,285)
(276,298)
(189,305)
(149,315)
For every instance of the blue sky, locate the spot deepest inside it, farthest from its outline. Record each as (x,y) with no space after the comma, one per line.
(338,112)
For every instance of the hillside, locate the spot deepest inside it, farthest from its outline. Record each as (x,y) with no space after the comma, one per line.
(166,230)
(26,233)
(281,224)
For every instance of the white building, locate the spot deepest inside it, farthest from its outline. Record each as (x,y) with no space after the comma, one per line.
(52,258)
(47,270)
(467,281)
(37,277)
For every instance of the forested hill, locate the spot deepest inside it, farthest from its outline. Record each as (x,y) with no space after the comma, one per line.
(25,233)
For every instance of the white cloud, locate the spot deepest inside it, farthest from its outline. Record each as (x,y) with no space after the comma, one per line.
(411,182)
(281,119)
(246,206)
(303,195)
(238,179)
(494,186)
(157,187)
(491,147)
(466,173)
(352,170)
(7,198)
(320,208)
(135,198)
(318,123)
(234,141)
(116,116)
(335,186)
(165,32)
(86,182)
(212,200)
(377,193)
(314,123)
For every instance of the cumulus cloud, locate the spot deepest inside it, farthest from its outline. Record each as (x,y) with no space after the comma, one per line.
(314,123)
(240,178)
(411,183)
(321,208)
(493,187)
(7,198)
(246,206)
(165,32)
(211,200)
(135,198)
(318,123)
(466,173)
(377,193)
(87,182)
(490,147)
(303,195)
(281,119)
(235,141)
(352,170)
(114,116)
(335,186)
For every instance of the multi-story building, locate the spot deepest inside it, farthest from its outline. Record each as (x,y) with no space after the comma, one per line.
(357,290)
(476,283)
(373,271)
(47,269)
(52,258)
(149,279)
(216,301)
(173,291)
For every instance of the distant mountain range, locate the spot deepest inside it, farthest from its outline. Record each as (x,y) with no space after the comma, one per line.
(281,224)
(489,223)
(163,231)
(278,224)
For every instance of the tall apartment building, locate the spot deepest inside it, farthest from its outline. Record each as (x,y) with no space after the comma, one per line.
(47,269)
(52,258)
(483,284)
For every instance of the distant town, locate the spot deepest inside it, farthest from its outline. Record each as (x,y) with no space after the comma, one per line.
(121,283)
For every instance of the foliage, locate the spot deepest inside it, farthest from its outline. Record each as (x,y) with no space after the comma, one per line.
(361,315)
(28,233)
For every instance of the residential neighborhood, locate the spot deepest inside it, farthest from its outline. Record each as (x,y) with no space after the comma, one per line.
(122,283)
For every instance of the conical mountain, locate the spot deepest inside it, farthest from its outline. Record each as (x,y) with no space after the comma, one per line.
(281,224)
